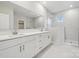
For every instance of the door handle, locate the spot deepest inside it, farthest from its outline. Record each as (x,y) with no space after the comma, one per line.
(48,37)
(20,49)
(23,47)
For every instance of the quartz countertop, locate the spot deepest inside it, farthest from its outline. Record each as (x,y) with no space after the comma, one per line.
(9,37)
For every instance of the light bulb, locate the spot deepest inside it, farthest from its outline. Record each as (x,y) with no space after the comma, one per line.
(70,5)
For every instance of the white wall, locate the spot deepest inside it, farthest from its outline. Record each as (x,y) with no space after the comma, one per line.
(8,11)
(39,22)
(71,24)
(4,25)
(42,21)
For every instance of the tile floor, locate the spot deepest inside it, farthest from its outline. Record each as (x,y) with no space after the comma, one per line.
(60,51)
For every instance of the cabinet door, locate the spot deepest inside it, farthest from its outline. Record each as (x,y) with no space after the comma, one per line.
(37,44)
(29,48)
(12,52)
(45,40)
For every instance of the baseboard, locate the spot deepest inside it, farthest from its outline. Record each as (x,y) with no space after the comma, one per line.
(73,43)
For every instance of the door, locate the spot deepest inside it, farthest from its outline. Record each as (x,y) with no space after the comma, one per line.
(44,40)
(29,47)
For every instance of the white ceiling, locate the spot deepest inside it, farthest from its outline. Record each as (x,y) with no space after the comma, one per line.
(20,10)
(52,6)
(57,6)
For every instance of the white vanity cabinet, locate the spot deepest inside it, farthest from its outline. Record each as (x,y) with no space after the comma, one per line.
(42,41)
(25,47)
(22,50)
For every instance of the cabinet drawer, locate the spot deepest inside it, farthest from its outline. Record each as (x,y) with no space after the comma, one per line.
(26,39)
(44,36)
(23,39)
(8,43)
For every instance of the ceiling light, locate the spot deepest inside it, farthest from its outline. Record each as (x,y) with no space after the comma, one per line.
(70,5)
(44,2)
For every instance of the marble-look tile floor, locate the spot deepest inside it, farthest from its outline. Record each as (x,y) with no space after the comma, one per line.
(60,51)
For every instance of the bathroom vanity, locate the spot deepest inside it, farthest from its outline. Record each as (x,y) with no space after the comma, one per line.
(24,45)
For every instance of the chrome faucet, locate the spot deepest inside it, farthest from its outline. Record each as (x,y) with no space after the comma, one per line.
(14,33)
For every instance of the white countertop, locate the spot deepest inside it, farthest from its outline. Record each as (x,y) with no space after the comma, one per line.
(8,37)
